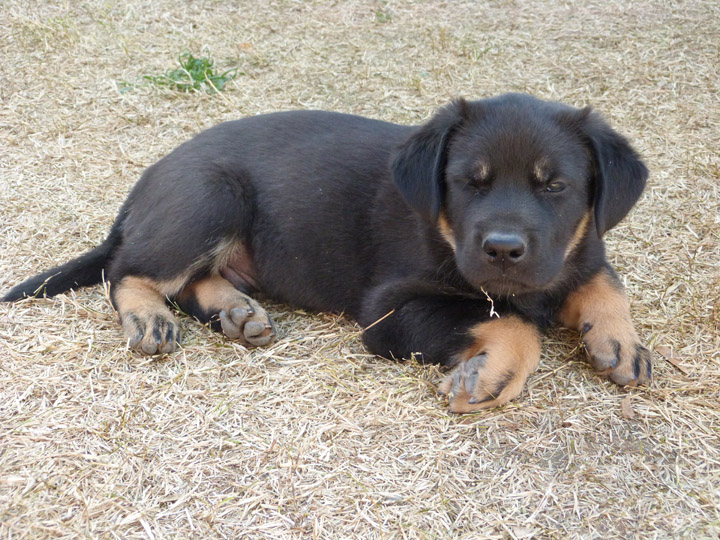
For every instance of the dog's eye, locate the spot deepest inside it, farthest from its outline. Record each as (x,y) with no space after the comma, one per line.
(554,187)
(479,182)
(478,189)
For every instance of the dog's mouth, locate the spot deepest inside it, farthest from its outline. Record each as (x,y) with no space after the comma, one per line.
(506,287)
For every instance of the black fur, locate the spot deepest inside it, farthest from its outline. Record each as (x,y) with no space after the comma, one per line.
(620,176)
(87,269)
(419,163)
(341,213)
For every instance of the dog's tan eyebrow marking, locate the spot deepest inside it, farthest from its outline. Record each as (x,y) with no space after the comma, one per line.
(480,170)
(541,170)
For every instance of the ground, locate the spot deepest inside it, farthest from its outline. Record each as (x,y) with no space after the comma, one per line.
(313,437)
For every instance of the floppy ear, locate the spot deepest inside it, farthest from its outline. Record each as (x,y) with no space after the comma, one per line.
(620,175)
(418,166)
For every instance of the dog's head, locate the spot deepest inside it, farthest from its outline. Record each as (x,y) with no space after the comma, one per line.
(516,185)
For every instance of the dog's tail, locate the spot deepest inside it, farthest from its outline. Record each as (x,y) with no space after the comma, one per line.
(87,269)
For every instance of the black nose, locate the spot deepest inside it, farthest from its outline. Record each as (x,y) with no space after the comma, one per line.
(504,248)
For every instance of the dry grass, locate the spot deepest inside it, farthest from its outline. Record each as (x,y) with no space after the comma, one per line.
(313,438)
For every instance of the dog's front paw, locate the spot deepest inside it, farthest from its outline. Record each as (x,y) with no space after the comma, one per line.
(615,350)
(493,370)
(601,311)
(481,383)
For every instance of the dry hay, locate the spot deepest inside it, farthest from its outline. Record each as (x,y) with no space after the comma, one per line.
(313,438)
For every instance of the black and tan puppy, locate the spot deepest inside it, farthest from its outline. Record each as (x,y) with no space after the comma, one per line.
(465,237)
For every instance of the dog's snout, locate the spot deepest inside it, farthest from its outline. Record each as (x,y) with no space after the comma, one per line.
(504,248)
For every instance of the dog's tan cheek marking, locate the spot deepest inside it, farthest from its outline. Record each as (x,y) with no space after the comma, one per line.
(503,354)
(578,236)
(446,231)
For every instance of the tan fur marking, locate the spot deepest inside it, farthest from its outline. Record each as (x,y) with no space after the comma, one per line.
(601,297)
(240,316)
(168,288)
(482,170)
(541,170)
(225,251)
(511,349)
(135,294)
(215,259)
(578,236)
(214,292)
(140,303)
(446,231)
(600,309)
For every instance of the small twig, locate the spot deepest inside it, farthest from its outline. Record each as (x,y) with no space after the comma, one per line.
(381,319)
(493,313)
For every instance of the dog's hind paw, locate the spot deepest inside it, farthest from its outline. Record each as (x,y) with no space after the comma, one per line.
(151,332)
(247,322)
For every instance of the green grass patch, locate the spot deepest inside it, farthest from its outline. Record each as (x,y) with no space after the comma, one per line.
(382,16)
(193,75)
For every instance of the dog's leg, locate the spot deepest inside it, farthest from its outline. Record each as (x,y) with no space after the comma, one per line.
(146,321)
(601,311)
(492,357)
(215,300)
(494,367)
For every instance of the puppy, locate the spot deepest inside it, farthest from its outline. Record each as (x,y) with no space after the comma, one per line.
(459,241)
